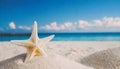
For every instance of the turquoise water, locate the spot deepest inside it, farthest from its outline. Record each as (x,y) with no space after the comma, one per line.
(71,37)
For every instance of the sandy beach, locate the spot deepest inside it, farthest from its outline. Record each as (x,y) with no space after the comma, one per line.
(59,34)
(76,50)
(72,50)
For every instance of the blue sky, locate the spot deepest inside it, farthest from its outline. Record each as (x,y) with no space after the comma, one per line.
(60,15)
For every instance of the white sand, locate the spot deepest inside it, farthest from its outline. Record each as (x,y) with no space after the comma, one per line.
(77,50)
(11,58)
(50,62)
(73,50)
(106,59)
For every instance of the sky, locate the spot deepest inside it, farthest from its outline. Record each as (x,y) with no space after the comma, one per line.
(60,15)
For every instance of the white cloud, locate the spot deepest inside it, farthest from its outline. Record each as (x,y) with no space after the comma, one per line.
(97,23)
(12,25)
(52,26)
(68,25)
(55,26)
(24,27)
(111,22)
(83,24)
(104,24)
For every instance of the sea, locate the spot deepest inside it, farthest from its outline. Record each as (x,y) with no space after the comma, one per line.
(70,37)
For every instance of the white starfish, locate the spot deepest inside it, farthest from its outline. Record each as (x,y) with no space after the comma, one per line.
(34,44)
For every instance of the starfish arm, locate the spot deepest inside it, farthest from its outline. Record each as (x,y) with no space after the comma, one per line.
(42,52)
(47,39)
(30,54)
(34,35)
(22,42)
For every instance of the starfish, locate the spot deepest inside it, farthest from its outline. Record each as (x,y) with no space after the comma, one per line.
(34,44)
